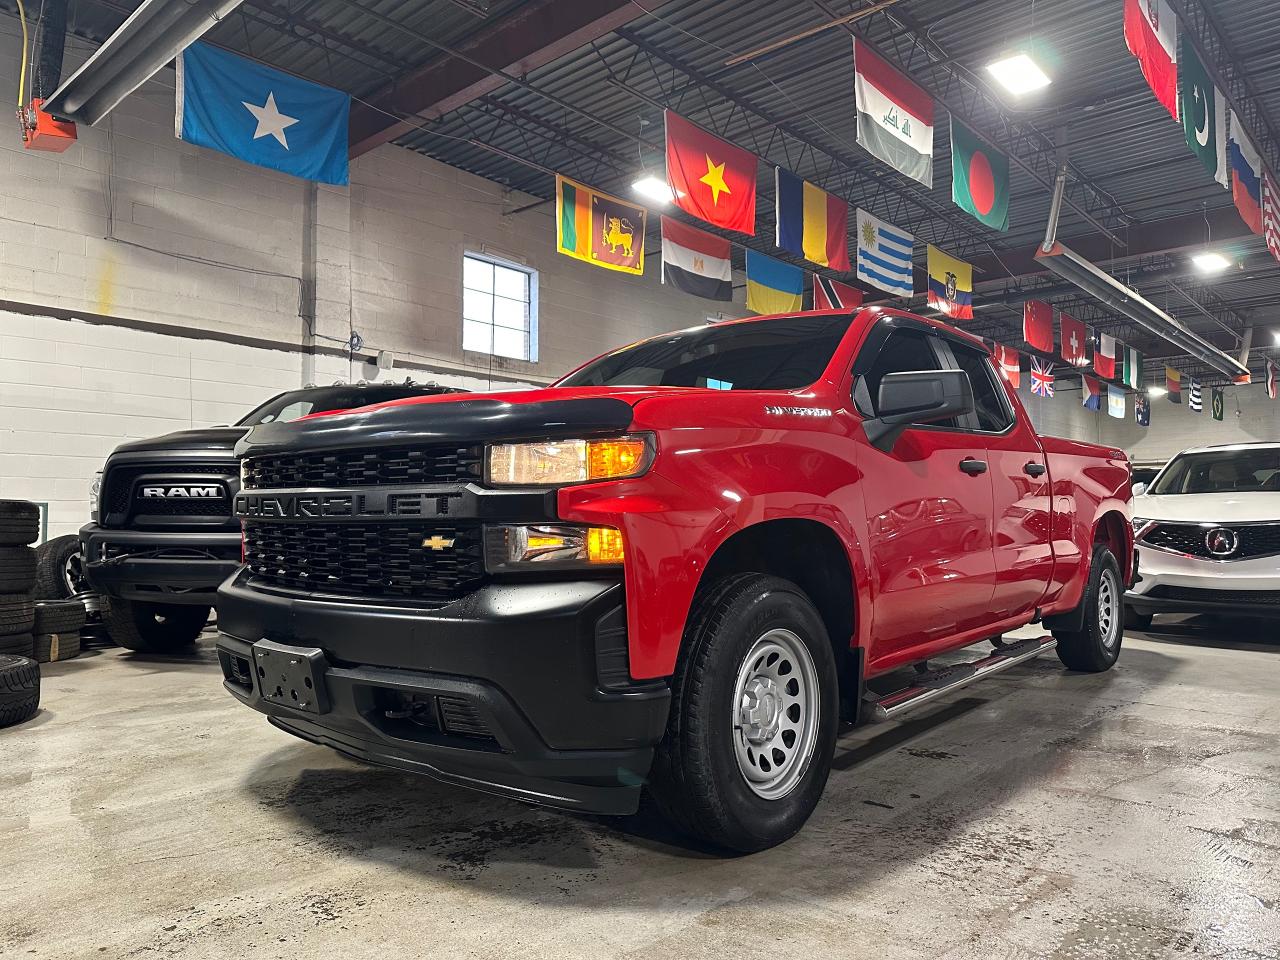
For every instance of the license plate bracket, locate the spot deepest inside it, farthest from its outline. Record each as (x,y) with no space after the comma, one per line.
(291,676)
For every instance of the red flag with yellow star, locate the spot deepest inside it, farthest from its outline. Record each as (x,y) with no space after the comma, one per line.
(709,178)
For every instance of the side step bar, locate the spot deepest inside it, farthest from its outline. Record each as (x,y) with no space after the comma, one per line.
(936,683)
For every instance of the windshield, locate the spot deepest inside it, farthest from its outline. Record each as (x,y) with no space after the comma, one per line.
(783,354)
(301,403)
(1221,471)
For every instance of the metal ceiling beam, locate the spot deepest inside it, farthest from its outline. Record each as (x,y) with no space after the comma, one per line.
(533,36)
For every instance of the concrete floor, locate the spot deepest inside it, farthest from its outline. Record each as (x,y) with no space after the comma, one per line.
(1040,814)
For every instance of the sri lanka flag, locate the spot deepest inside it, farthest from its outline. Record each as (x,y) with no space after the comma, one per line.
(811,222)
(599,229)
(1090,392)
(1246,175)
(950,285)
(773,286)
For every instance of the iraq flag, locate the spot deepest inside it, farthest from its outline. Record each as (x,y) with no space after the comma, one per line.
(261,115)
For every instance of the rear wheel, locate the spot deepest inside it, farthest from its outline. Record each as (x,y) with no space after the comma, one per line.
(154,627)
(1096,646)
(753,716)
(1133,620)
(59,573)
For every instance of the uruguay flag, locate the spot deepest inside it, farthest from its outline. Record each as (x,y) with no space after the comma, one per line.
(260,115)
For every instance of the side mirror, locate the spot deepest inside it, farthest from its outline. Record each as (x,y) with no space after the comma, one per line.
(1139,488)
(917,397)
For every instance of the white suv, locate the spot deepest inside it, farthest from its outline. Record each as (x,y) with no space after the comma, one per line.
(1208,535)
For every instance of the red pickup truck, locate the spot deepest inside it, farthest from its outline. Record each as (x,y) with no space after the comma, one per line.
(679,569)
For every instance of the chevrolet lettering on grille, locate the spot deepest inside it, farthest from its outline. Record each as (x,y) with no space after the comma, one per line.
(368,505)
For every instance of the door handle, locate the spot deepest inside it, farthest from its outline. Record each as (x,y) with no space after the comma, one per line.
(1033,469)
(973,467)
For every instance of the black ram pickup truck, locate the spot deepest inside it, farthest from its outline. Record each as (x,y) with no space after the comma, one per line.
(163,536)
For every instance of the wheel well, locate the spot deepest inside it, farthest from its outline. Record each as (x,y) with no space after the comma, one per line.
(1111,531)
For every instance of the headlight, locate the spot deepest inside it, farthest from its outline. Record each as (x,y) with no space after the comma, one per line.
(557,462)
(1141,526)
(550,546)
(95,491)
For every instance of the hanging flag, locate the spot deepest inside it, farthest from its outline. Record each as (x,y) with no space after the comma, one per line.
(1041,378)
(1010,365)
(1132,368)
(1195,399)
(261,115)
(1246,175)
(884,255)
(1090,392)
(1142,409)
(979,178)
(1173,384)
(950,285)
(1271,213)
(834,295)
(1203,110)
(1037,325)
(895,117)
(1272,373)
(1115,401)
(1151,34)
(695,261)
(600,229)
(812,223)
(1075,341)
(709,178)
(1104,361)
(773,286)
(1216,402)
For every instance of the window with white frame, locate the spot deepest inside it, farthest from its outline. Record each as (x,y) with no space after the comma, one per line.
(499,307)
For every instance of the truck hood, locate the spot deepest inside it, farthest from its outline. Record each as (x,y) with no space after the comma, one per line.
(1208,507)
(205,440)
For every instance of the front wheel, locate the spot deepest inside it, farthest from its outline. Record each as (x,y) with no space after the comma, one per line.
(1096,646)
(753,716)
(154,627)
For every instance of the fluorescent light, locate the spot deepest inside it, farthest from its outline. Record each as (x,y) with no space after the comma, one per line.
(651,188)
(1210,262)
(1018,74)
(1156,391)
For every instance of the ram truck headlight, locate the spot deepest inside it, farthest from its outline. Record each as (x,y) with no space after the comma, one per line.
(546,546)
(561,462)
(95,493)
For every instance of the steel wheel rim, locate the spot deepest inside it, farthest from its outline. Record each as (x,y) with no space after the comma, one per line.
(776,705)
(1108,609)
(72,575)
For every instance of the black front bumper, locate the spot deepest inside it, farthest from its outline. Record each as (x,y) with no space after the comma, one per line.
(158,566)
(1226,603)
(514,689)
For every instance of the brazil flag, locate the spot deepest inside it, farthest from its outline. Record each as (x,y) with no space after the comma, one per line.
(979,178)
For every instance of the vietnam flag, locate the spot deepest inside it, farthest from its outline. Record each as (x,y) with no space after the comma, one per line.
(709,178)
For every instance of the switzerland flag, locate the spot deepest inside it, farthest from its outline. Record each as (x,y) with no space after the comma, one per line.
(710,179)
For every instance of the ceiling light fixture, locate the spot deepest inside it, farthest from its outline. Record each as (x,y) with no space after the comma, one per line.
(1018,74)
(653,189)
(1210,262)
(1156,391)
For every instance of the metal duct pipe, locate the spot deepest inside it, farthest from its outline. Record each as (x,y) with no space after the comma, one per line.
(53,42)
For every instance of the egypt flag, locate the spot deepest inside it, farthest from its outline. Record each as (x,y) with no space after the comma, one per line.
(1246,175)
(834,295)
(1010,365)
(695,261)
(1104,361)
(1151,34)
(709,178)
(895,117)
(950,285)
(812,223)
(1173,384)
(979,178)
(1090,392)
(600,229)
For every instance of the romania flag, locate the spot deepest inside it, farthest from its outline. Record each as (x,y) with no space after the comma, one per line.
(598,228)
(950,285)
(811,222)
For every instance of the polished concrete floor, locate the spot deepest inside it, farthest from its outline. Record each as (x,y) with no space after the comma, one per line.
(1041,814)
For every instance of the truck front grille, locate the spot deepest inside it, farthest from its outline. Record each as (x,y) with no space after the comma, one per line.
(363,468)
(120,485)
(425,563)
(1255,539)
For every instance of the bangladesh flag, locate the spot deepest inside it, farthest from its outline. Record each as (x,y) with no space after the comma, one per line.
(979,178)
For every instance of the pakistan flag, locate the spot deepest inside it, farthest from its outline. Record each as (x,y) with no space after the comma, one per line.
(1203,111)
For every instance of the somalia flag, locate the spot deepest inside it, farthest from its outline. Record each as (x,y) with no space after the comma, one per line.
(260,115)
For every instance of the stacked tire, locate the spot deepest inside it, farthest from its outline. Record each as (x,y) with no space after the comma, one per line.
(19,673)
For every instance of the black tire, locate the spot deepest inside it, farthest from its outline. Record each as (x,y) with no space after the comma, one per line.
(1096,646)
(153,627)
(1133,620)
(19,522)
(18,644)
(19,689)
(17,614)
(54,581)
(59,616)
(17,569)
(52,647)
(697,780)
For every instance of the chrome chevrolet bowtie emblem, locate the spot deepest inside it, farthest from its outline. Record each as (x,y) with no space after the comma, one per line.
(1221,542)
(438,543)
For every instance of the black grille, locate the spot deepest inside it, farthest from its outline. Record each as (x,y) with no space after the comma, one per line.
(1216,596)
(362,468)
(379,560)
(119,481)
(1256,540)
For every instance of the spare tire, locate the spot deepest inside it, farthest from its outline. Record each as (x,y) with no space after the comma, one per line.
(19,522)
(59,571)
(51,647)
(18,644)
(17,614)
(19,689)
(58,616)
(17,569)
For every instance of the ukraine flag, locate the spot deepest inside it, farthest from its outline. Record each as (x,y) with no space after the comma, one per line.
(773,286)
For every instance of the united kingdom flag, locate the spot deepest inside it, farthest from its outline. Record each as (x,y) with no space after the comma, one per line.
(1041,378)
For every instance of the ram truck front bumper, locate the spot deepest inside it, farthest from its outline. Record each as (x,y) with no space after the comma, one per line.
(517,689)
(158,566)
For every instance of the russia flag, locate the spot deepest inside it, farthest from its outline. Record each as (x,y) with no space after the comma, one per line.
(1246,176)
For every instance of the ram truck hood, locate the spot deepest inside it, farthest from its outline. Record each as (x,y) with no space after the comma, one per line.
(203,440)
(1258,507)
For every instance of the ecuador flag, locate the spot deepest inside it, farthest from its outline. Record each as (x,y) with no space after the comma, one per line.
(598,228)
(950,285)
